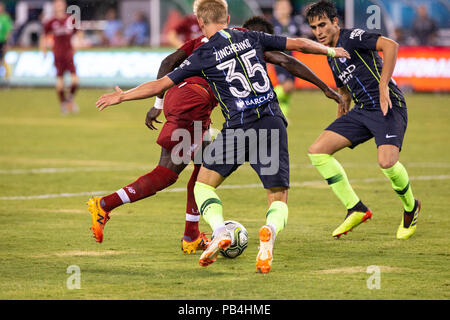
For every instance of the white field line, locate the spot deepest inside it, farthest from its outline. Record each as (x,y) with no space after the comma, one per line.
(229,186)
(147,168)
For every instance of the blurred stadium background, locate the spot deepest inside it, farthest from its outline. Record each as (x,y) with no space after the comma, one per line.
(122,41)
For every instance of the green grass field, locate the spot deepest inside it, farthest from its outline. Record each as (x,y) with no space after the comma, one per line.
(45,154)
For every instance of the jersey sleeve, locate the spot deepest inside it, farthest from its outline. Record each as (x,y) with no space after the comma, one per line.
(270,42)
(189,68)
(361,39)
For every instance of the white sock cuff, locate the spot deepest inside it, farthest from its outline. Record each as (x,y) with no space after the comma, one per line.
(192,218)
(123,196)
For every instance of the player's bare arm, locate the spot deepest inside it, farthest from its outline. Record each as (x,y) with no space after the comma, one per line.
(169,63)
(300,70)
(390,50)
(312,47)
(143,91)
(347,98)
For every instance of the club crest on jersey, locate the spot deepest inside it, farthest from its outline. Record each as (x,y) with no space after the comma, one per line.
(357,33)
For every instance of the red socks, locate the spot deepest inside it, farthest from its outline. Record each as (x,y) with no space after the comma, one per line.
(191,231)
(146,186)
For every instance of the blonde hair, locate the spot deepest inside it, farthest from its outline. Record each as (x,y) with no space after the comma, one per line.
(211,11)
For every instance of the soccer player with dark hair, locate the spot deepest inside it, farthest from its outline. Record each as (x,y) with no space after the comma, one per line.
(379,112)
(233,63)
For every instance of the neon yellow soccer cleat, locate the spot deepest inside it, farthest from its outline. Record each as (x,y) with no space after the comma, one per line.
(406,232)
(201,243)
(99,218)
(352,220)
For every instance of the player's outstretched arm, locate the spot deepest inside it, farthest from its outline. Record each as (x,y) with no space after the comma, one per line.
(169,63)
(143,91)
(300,70)
(390,49)
(309,46)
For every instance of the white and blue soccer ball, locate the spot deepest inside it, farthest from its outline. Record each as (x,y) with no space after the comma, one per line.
(240,239)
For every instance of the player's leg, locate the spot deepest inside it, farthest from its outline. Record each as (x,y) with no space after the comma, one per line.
(74,84)
(273,171)
(276,220)
(346,131)
(389,140)
(61,94)
(211,209)
(163,176)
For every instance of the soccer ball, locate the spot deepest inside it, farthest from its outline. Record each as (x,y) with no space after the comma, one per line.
(240,240)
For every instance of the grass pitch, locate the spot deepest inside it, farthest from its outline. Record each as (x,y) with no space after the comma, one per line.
(49,165)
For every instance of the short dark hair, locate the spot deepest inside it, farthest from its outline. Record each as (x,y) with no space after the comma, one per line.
(258,23)
(321,9)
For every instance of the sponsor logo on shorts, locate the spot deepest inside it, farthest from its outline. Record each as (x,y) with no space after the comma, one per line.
(390,136)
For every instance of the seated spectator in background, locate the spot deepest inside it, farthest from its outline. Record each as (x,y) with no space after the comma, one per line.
(137,33)
(113,25)
(187,29)
(424,28)
(118,39)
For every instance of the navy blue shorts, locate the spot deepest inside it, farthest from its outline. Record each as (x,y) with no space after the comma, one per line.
(263,144)
(283,75)
(362,124)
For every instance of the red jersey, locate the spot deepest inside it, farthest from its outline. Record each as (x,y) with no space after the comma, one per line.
(188,28)
(188,48)
(62,31)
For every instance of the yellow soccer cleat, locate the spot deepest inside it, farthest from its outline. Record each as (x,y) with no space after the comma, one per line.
(265,254)
(404,232)
(201,243)
(352,220)
(99,217)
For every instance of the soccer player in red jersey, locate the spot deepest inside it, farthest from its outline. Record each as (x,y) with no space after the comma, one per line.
(61,27)
(191,100)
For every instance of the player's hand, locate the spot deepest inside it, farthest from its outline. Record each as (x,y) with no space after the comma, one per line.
(152,114)
(385,100)
(342,109)
(341,53)
(109,99)
(331,94)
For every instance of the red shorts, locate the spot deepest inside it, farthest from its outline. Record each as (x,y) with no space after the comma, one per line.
(184,104)
(64,63)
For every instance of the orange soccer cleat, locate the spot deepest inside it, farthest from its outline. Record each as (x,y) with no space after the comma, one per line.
(99,218)
(265,254)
